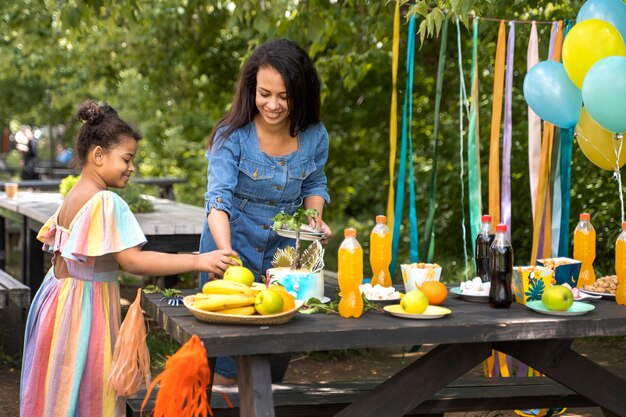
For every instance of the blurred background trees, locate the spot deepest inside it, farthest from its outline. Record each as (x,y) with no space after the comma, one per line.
(170,67)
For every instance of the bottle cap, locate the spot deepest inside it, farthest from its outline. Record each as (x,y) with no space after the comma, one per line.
(381,219)
(585,216)
(501,227)
(485,218)
(349,232)
(623,225)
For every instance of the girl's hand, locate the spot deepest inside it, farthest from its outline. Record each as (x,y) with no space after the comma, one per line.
(216,262)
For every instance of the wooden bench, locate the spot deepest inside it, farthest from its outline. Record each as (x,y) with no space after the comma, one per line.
(465,394)
(14,303)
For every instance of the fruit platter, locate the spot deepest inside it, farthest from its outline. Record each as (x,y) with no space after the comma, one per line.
(233,302)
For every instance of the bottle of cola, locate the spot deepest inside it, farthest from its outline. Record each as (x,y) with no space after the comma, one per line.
(501,270)
(484,239)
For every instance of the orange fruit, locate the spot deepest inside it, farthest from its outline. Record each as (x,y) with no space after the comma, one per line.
(288,301)
(435,291)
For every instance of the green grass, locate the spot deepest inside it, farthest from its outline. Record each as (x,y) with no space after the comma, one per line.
(161,346)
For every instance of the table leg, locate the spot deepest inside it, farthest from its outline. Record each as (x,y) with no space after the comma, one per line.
(425,376)
(558,361)
(3,243)
(255,386)
(33,258)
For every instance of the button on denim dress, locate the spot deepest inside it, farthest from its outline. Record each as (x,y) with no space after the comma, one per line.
(252,187)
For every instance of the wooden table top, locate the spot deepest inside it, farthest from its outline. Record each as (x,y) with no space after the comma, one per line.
(168,217)
(469,322)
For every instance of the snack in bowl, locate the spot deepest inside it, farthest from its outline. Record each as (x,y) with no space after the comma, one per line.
(475,287)
(604,285)
(415,274)
(379,293)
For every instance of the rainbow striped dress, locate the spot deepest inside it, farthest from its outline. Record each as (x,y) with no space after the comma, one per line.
(73,322)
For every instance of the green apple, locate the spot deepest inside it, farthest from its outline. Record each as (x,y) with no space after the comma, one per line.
(268,302)
(557,298)
(239,274)
(414,301)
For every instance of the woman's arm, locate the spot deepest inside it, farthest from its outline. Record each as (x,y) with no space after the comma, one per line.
(220,228)
(317,202)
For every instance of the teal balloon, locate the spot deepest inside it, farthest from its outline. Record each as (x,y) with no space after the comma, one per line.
(604,92)
(551,94)
(611,11)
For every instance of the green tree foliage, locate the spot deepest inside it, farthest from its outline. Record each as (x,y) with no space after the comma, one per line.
(170,66)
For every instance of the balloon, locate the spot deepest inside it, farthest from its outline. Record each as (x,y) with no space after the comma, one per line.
(588,42)
(550,93)
(604,90)
(611,11)
(597,143)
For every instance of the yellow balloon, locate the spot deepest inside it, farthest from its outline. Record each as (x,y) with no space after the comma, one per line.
(598,144)
(588,42)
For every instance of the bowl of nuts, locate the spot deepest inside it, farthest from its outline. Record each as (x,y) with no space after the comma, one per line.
(605,286)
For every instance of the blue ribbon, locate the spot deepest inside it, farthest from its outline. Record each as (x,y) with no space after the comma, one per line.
(407,119)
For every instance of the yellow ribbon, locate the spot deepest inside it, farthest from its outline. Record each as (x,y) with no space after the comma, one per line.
(393,117)
(496,120)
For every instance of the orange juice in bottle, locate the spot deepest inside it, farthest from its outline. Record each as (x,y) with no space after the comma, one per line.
(585,249)
(380,252)
(620,266)
(350,275)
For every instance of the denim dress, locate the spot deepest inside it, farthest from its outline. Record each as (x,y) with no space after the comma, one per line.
(252,187)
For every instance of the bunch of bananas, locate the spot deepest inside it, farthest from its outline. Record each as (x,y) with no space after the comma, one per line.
(227,297)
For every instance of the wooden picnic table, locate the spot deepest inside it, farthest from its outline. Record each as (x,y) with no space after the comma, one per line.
(165,183)
(171,227)
(465,339)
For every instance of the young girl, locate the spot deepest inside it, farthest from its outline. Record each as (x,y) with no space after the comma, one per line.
(75,316)
(266,154)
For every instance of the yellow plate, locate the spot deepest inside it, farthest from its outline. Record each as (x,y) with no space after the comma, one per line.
(432,312)
(212,317)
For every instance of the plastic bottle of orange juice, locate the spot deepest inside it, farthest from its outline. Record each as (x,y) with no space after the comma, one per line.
(620,266)
(585,249)
(380,252)
(350,275)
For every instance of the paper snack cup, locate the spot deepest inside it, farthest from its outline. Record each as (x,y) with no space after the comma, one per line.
(529,282)
(414,275)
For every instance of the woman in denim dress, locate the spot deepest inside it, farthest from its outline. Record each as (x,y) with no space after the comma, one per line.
(265,155)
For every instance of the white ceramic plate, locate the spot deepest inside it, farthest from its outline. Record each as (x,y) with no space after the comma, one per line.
(470,297)
(432,312)
(576,309)
(304,235)
(601,294)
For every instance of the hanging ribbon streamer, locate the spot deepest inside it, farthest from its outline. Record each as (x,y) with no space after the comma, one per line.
(534,122)
(508,131)
(541,225)
(473,149)
(462,103)
(555,180)
(496,119)
(566,175)
(407,118)
(430,221)
(393,117)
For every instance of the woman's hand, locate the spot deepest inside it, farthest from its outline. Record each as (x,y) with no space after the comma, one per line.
(318,223)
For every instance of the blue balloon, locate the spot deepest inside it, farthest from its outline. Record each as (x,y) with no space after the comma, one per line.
(611,11)
(604,93)
(551,94)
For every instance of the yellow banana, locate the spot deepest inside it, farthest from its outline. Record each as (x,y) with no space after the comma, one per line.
(200,296)
(243,311)
(220,286)
(221,301)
